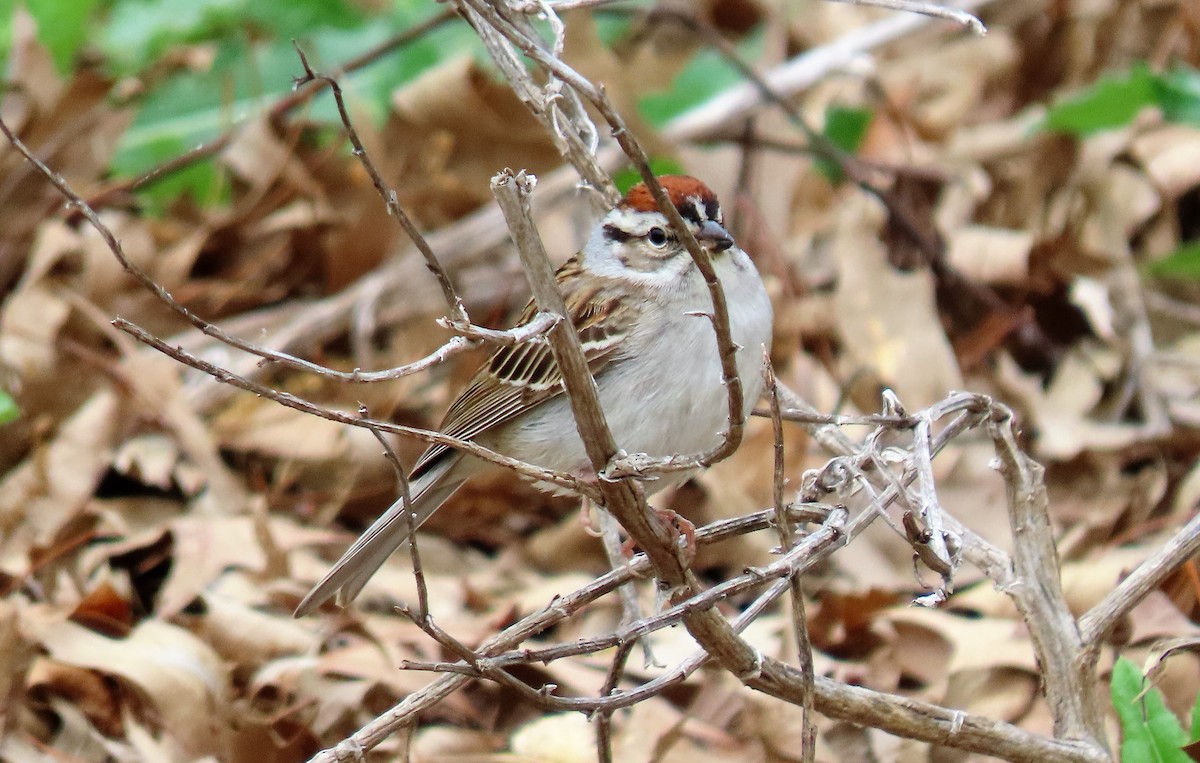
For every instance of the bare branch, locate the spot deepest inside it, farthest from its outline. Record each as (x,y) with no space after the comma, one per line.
(933,10)
(409,517)
(512,193)
(914,719)
(458,313)
(278,110)
(1095,626)
(1068,678)
(804,653)
(558,610)
(720,316)
(930,508)
(471,334)
(297,403)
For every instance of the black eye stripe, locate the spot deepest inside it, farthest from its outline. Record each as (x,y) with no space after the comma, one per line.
(613,233)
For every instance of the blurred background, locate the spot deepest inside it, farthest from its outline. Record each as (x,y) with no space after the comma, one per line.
(1040,243)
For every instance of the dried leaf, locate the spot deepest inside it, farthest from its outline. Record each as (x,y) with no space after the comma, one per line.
(887,319)
(181,678)
(44,493)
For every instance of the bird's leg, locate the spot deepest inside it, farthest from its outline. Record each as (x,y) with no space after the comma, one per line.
(588,520)
(684,528)
(681,526)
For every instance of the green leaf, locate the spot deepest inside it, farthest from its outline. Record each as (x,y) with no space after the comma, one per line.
(371,88)
(1150,733)
(707,74)
(62,27)
(139,31)
(249,73)
(296,18)
(201,181)
(660,165)
(1182,264)
(7,10)
(9,411)
(1178,93)
(1194,734)
(1111,102)
(610,28)
(845,128)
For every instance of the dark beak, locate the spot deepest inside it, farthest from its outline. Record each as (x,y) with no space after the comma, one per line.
(713,235)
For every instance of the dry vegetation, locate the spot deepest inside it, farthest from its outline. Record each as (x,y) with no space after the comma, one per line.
(157,526)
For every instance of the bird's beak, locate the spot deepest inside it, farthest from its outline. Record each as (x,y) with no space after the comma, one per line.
(714,236)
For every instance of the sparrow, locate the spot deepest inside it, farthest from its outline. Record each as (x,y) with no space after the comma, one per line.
(638,303)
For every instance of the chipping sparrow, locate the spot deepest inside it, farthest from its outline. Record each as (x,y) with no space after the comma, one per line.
(633,293)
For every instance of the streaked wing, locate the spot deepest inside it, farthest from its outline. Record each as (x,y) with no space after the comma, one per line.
(518,378)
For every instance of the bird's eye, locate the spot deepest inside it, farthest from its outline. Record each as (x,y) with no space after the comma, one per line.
(657,237)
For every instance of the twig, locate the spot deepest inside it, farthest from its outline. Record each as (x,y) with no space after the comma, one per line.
(806,416)
(281,107)
(631,611)
(720,316)
(810,552)
(458,313)
(297,403)
(512,192)
(933,10)
(603,719)
(409,516)
(472,337)
(931,509)
(973,410)
(891,713)
(914,719)
(1095,626)
(472,334)
(564,117)
(1069,681)
(558,610)
(804,653)
(1129,297)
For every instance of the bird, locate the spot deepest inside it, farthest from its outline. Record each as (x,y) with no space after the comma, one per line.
(637,301)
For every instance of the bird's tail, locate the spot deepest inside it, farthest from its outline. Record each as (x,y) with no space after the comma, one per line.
(373,547)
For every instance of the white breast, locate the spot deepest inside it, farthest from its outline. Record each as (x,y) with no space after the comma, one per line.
(666,397)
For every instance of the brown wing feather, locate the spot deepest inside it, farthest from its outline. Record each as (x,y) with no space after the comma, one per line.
(520,377)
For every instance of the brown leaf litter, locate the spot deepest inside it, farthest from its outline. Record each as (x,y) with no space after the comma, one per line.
(155,532)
